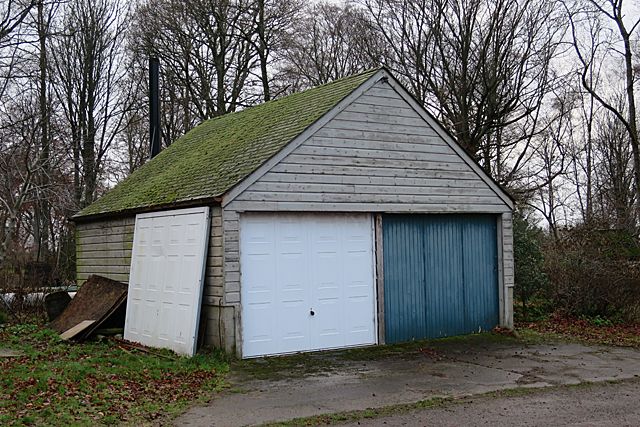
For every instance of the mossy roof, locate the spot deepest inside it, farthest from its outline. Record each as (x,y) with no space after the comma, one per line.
(219,153)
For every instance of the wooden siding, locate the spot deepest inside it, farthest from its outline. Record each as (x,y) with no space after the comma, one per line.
(229,317)
(508,270)
(507,245)
(377,155)
(214,276)
(231,227)
(104,248)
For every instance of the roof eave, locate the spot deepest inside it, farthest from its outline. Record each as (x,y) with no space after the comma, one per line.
(205,201)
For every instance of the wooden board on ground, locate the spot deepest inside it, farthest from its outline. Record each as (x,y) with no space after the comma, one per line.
(79,328)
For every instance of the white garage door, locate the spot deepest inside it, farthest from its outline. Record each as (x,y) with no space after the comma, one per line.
(165,282)
(307,282)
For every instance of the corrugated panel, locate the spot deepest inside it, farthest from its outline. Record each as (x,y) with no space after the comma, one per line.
(480,255)
(445,291)
(403,257)
(440,275)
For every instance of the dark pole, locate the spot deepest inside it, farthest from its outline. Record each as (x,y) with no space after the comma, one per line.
(154,106)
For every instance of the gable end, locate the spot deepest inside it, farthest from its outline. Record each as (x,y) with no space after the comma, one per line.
(379,152)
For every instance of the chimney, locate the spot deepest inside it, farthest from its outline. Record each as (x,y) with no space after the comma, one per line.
(154,106)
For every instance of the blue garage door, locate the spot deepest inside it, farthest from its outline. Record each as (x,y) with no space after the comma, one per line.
(440,275)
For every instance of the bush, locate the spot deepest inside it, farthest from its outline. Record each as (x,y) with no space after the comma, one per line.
(595,273)
(3,317)
(530,279)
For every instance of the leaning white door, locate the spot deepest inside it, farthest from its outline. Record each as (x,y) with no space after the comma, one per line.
(307,282)
(166,279)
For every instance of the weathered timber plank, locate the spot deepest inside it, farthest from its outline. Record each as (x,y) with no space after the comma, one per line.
(365,170)
(103,269)
(366,198)
(377,163)
(110,238)
(263,206)
(359,107)
(104,231)
(382,118)
(109,246)
(346,188)
(317,150)
(380,127)
(100,262)
(106,223)
(117,253)
(382,90)
(278,177)
(365,134)
(428,146)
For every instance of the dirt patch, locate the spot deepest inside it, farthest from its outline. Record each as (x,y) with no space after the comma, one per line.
(531,376)
(283,367)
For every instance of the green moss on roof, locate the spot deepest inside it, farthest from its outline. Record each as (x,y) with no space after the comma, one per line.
(219,153)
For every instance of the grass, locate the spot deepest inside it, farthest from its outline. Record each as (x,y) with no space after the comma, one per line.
(418,346)
(276,368)
(318,363)
(57,383)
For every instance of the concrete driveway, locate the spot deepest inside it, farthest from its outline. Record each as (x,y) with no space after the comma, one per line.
(279,389)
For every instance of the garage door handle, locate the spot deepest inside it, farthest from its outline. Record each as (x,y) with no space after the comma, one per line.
(311,312)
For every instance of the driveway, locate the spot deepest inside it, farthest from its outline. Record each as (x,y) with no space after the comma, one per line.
(600,404)
(278,389)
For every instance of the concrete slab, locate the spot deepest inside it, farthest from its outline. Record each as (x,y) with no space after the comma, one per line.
(448,368)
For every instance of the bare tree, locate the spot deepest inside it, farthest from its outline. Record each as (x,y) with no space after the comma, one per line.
(89,78)
(600,28)
(19,158)
(132,145)
(42,209)
(549,197)
(615,175)
(12,14)
(206,59)
(329,42)
(267,32)
(22,161)
(483,66)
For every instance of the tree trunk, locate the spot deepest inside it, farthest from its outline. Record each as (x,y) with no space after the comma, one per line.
(42,210)
(633,126)
(262,51)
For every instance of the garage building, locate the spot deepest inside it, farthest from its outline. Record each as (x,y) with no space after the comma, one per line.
(344,215)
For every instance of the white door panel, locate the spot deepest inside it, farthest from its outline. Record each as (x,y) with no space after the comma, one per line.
(296,264)
(166,278)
